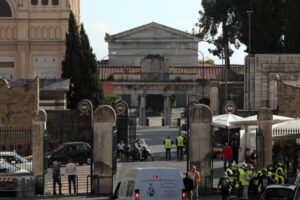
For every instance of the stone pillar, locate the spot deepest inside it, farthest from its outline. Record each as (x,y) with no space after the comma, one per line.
(167,110)
(39,119)
(265,118)
(121,109)
(104,121)
(142,111)
(200,147)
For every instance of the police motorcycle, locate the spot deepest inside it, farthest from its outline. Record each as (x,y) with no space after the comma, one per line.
(132,154)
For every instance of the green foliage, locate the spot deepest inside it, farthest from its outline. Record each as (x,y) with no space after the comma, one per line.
(80,66)
(109,99)
(218,15)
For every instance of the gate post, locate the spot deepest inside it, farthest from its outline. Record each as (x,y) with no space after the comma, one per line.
(39,167)
(104,122)
(200,119)
(265,118)
(121,109)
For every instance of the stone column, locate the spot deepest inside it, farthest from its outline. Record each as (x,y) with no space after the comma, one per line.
(104,121)
(167,110)
(142,111)
(265,118)
(200,146)
(39,119)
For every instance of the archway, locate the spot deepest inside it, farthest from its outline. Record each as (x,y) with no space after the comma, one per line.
(5,9)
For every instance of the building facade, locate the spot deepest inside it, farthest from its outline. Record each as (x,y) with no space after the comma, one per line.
(128,48)
(32,37)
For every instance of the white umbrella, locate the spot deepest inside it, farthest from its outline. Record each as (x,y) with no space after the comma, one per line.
(292,124)
(226,120)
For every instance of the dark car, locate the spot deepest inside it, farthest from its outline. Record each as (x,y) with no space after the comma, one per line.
(281,192)
(79,152)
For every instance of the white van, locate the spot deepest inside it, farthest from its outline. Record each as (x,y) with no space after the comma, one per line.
(150,184)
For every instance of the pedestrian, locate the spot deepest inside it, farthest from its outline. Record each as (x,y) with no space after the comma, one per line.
(230,176)
(245,183)
(194,174)
(226,151)
(297,182)
(139,150)
(180,145)
(56,177)
(188,186)
(263,181)
(235,151)
(224,183)
(240,174)
(71,171)
(120,149)
(168,146)
(252,157)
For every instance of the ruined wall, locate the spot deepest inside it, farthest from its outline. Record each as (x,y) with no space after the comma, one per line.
(288,100)
(17,105)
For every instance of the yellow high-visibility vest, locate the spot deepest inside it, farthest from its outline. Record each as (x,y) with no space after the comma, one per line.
(168,144)
(180,141)
(229,173)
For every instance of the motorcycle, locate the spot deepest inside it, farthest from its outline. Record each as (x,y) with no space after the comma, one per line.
(131,153)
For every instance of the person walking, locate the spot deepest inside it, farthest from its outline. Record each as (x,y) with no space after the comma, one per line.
(168,146)
(230,176)
(120,149)
(235,151)
(226,151)
(245,184)
(188,186)
(224,183)
(194,174)
(71,171)
(56,177)
(180,145)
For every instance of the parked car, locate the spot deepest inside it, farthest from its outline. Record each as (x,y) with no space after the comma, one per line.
(6,167)
(79,152)
(17,160)
(150,183)
(281,192)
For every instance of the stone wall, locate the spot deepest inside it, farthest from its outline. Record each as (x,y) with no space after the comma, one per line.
(288,100)
(67,126)
(17,105)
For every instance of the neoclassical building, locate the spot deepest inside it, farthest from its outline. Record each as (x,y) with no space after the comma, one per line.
(32,37)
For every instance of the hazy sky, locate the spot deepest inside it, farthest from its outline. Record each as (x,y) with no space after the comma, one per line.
(114,16)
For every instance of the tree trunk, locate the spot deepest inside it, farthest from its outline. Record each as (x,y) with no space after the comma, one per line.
(225,41)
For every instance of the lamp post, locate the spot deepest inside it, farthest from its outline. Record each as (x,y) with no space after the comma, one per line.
(249,53)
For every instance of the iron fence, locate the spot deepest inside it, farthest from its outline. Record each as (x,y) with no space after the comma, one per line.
(286,148)
(15,145)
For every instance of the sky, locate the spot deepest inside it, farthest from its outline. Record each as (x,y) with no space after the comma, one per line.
(115,16)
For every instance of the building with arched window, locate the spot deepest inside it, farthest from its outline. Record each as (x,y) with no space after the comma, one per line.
(32,37)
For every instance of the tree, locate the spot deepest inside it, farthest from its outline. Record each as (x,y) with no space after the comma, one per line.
(218,15)
(80,66)
(90,85)
(292,27)
(266,24)
(72,61)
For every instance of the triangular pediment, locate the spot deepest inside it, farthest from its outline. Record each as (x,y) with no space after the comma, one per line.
(152,31)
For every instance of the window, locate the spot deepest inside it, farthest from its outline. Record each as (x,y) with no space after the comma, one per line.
(44,2)
(54,2)
(5,10)
(34,2)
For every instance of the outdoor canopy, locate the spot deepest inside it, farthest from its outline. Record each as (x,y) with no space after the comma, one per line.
(226,121)
(252,120)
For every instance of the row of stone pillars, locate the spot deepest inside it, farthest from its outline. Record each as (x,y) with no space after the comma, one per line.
(167,110)
(104,119)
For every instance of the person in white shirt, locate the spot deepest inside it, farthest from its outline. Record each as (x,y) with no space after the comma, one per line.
(138,147)
(71,171)
(120,149)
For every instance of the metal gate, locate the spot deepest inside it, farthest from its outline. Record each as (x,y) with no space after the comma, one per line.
(45,161)
(114,155)
(286,148)
(260,148)
(131,128)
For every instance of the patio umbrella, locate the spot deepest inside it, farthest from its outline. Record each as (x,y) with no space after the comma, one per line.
(226,120)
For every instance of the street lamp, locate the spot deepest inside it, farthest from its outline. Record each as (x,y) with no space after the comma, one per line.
(249,53)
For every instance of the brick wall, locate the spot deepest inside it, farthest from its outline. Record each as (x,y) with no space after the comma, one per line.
(67,126)
(288,100)
(17,105)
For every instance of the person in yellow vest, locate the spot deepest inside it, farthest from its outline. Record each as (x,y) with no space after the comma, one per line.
(256,178)
(240,174)
(245,183)
(180,145)
(168,146)
(279,178)
(230,175)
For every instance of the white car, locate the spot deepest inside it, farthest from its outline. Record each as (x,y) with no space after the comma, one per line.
(150,183)
(16,160)
(6,167)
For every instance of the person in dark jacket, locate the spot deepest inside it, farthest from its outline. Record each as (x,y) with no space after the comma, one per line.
(188,186)
(224,184)
(56,177)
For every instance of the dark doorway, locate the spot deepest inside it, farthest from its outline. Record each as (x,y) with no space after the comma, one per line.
(155,105)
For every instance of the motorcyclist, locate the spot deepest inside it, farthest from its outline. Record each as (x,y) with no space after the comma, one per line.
(139,148)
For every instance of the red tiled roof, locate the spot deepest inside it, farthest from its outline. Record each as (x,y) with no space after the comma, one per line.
(208,72)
